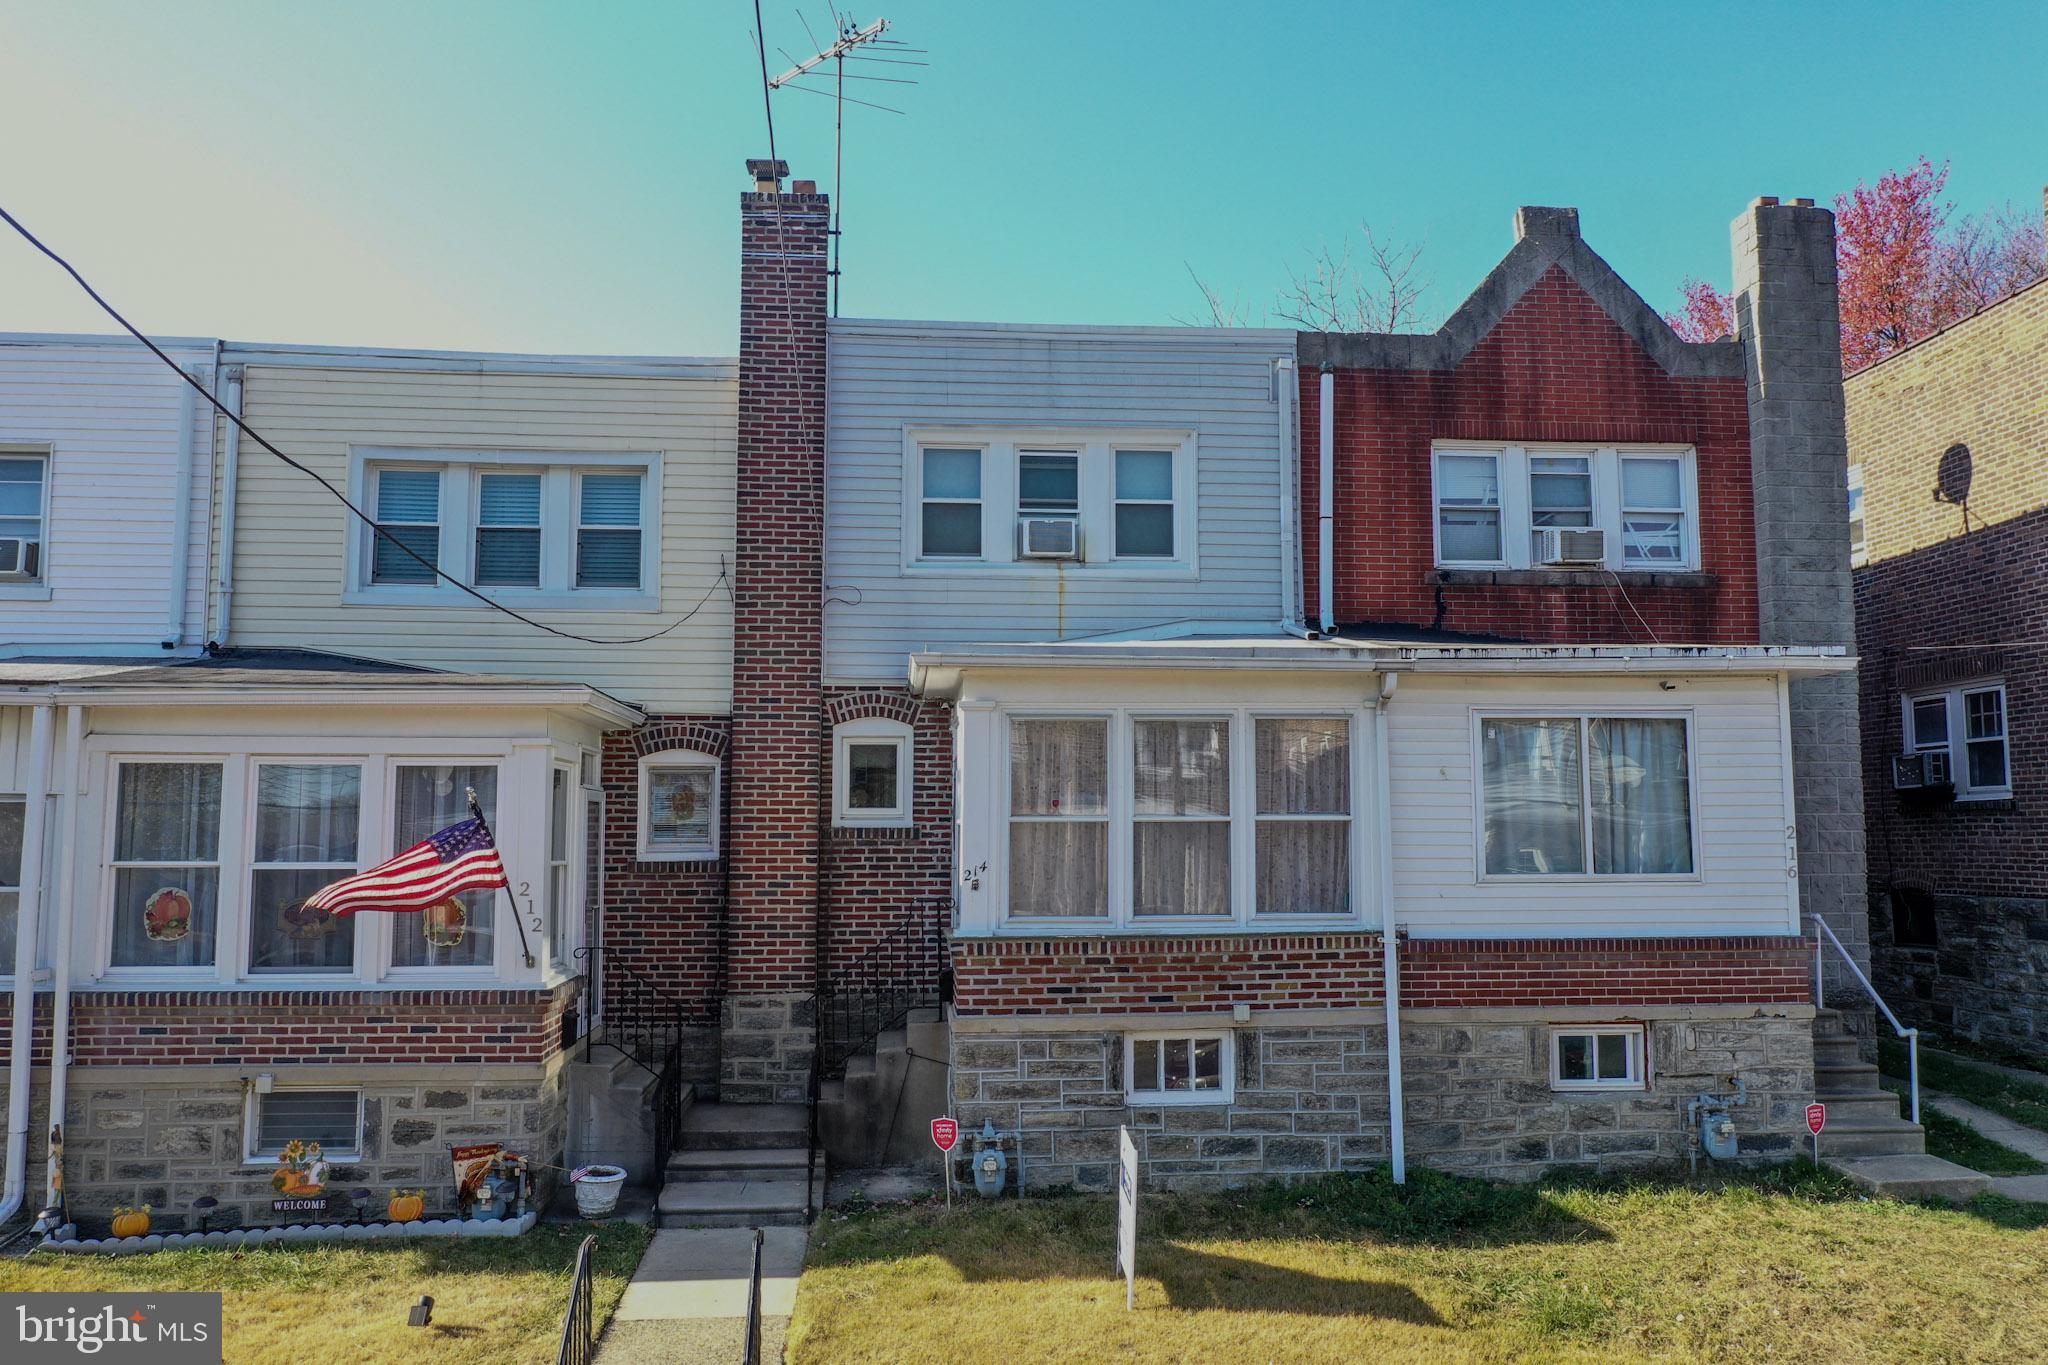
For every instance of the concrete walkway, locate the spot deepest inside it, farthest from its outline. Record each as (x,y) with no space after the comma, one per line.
(2032,1189)
(688,1300)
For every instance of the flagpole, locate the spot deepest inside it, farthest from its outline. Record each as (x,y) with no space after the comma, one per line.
(477,810)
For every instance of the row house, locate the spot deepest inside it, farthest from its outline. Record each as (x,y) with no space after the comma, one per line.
(1063,727)
(1951,534)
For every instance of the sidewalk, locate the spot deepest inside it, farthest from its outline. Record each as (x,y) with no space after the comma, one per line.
(688,1300)
(2033,1142)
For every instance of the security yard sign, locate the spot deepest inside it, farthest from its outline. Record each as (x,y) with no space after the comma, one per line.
(945,1136)
(1816,1119)
(1127,1216)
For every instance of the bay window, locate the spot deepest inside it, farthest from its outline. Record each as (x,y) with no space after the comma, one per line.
(1585,795)
(307,826)
(166,864)
(1492,503)
(1225,817)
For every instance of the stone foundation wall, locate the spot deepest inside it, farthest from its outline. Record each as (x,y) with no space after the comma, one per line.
(1975,966)
(1312,1097)
(164,1142)
(765,1044)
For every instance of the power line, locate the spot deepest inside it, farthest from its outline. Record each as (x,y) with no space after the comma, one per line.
(336,493)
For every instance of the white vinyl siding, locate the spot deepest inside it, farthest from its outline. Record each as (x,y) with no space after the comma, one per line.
(1741,882)
(107,419)
(896,384)
(292,548)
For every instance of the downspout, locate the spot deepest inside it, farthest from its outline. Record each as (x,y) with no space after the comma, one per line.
(224,588)
(181,523)
(28,914)
(1390,934)
(1326,497)
(73,775)
(1288,380)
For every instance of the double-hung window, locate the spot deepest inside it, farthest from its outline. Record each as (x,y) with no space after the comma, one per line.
(533,529)
(13,816)
(561,933)
(166,864)
(1138,818)
(969,493)
(461,930)
(1492,505)
(1607,796)
(1966,726)
(308,818)
(24,515)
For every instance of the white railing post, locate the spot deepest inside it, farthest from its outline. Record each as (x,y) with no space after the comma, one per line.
(1911,1035)
(1820,994)
(1913,1068)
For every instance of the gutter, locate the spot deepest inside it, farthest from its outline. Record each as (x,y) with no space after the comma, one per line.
(181,522)
(72,777)
(224,586)
(1288,377)
(1326,497)
(28,917)
(1390,934)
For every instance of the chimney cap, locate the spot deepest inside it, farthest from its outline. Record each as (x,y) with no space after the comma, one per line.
(1534,220)
(765,171)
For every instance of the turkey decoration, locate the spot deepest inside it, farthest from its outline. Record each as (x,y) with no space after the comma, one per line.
(444,923)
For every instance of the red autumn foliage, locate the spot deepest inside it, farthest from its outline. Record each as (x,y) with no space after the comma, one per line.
(1708,314)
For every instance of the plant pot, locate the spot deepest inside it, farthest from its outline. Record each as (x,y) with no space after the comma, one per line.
(597,1193)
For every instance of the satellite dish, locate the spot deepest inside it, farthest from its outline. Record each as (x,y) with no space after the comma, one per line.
(1952,476)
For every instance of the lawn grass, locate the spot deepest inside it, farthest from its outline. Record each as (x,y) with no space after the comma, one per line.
(494,1301)
(1953,1139)
(1786,1266)
(2019,1100)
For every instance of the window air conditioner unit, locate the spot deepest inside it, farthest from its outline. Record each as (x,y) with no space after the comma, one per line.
(19,556)
(1918,772)
(1049,538)
(1571,545)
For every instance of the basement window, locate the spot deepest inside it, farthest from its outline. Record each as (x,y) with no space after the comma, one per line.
(1605,1058)
(332,1118)
(1179,1068)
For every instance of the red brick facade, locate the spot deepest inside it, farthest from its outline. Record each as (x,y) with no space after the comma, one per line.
(778,614)
(1161,974)
(1555,368)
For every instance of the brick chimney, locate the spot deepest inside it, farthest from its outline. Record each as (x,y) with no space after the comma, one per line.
(1787,317)
(768,1030)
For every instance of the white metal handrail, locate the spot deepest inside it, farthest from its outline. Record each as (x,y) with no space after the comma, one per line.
(1911,1035)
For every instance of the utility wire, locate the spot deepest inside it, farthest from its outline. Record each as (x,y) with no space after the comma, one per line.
(336,493)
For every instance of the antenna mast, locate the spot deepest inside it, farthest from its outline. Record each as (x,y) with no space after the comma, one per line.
(851,37)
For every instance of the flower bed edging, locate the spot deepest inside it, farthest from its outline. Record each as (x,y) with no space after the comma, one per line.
(66,1238)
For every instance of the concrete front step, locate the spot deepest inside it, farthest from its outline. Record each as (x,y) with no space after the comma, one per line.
(1845,1078)
(731,1203)
(1910,1177)
(727,1127)
(739,1163)
(1859,1108)
(1864,1136)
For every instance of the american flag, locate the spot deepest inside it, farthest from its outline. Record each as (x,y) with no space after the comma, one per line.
(458,858)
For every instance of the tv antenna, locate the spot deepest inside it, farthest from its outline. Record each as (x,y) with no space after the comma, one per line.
(851,43)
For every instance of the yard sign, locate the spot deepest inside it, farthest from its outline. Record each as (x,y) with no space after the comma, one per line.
(1127,1217)
(1816,1119)
(945,1134)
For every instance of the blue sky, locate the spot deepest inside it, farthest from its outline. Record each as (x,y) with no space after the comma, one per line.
(558,177)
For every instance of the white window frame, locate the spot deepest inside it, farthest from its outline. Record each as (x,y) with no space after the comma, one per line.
(1638,1077)
(563,917)
(520,817)
(1226,1091)
(1116,453)
(36,589)
(1096,448)
(247,867)
(1244,915)
(252,1103)
(1516,527)
(561,516)
(679,758)
(873,730)
(1585,718)
(477,476)
(1859,520)
(7,959)
(1957,746)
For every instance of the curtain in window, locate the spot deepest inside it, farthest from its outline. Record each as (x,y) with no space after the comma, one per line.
(307,817)
(167,851)
(1533,815)
(430,797)
(1181,817)
(13,812)
(1303,784)
(1059,833)
(1641,805)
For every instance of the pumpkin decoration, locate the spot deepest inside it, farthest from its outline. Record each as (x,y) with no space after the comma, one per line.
(167,915)
(131,1222)
(407,1205)
(301,1170)
(445,923)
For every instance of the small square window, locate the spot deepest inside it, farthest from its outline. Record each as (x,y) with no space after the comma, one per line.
(678,807)
(332,1118)
(871,777)
(1597,1058)
(1179,1068)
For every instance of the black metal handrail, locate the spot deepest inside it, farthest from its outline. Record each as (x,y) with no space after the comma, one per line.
(751,1352)
(646,1025)
(579,1324)
(898,973)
